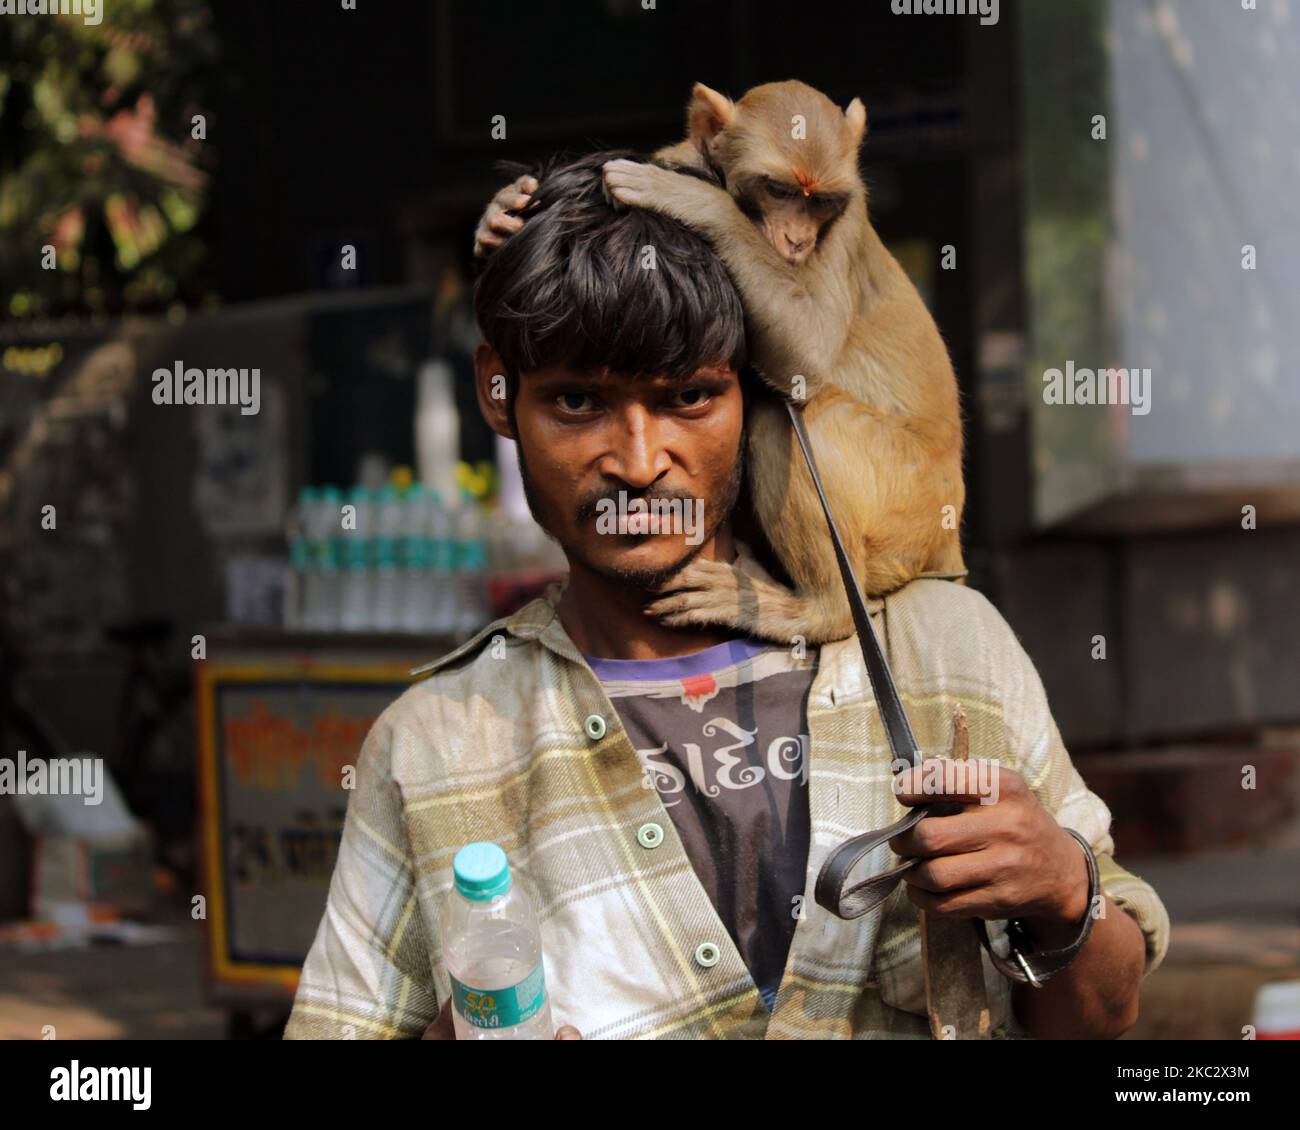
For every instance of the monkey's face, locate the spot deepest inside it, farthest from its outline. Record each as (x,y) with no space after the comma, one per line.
(787,155)
(594,449)
(792,216)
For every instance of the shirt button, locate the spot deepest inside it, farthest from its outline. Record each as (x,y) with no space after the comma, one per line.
(650,835)
(595,727)
(706,953)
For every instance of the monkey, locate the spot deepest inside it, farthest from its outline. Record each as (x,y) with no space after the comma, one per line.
(833,322)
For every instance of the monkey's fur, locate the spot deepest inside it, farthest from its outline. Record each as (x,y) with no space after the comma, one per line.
(882,404)
(833,321)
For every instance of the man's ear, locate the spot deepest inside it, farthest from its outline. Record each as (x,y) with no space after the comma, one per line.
(493,389)
(707,114)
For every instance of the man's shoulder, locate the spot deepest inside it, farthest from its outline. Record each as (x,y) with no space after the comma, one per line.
(930,595)
(481,662)
(932,619)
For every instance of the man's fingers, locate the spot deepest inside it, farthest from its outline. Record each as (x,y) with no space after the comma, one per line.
(441,1029)
(953,873)
(945,779)
(966,831)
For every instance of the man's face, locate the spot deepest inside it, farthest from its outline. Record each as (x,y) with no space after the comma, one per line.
(584,438)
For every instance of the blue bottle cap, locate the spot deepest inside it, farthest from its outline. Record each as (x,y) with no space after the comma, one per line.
(481,871)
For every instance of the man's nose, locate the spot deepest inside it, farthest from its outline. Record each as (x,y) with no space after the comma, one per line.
(636,454)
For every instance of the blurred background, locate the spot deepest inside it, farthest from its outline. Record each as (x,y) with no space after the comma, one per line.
(294,188)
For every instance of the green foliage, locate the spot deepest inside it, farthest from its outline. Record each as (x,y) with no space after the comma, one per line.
(97,158)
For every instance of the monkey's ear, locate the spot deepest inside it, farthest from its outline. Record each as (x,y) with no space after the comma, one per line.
(855,113)
(707,114)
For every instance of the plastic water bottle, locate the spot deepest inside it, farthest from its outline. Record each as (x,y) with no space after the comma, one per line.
(300,560)
(471,571)
(413,556)
(442,564)
(492,946)
(1277,1011)
(296,579)
(474,609)
(387,579)
(354,544)
(389,510)
(321,590)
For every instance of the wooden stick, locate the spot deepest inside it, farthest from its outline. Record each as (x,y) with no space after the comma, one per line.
(955,997)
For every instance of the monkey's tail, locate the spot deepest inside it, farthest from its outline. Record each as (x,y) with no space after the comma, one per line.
(774,612)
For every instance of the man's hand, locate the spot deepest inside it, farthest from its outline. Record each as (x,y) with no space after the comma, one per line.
(442,1028)
(496,224)
(1009,859)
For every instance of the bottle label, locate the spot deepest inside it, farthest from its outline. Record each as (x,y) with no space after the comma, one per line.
(500,1008)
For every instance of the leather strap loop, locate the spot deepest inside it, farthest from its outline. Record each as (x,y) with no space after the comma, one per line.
(858,900)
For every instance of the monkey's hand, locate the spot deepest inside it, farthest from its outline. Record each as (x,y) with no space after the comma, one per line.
(496,225)
(742,596)
(692,201)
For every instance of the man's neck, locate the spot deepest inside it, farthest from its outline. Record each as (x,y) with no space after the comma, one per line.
(607,618)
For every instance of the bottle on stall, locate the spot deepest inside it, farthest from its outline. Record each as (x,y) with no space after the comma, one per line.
(325,597)
(413,554)
(492,945)
(471,568)
(299,566)
(386,580)
(387,577)
(442,565)
(357,599)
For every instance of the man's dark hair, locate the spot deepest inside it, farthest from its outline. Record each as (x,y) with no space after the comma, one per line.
(572,287)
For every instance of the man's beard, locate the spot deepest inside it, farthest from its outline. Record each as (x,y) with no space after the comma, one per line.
(646,580)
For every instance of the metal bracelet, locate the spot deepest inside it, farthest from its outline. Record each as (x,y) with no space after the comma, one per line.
(1048,963)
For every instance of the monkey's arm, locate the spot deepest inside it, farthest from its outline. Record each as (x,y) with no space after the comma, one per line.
(797,334)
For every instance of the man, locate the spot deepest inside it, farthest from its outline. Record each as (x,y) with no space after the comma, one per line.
(669,795)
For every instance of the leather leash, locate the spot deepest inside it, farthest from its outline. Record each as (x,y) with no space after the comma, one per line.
(858,900)
(955,999)
(829,891)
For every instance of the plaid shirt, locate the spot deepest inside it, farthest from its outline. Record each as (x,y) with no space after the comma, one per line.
(513,740)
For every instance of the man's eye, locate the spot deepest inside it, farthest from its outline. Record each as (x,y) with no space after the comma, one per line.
(574,401)
(692,397)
